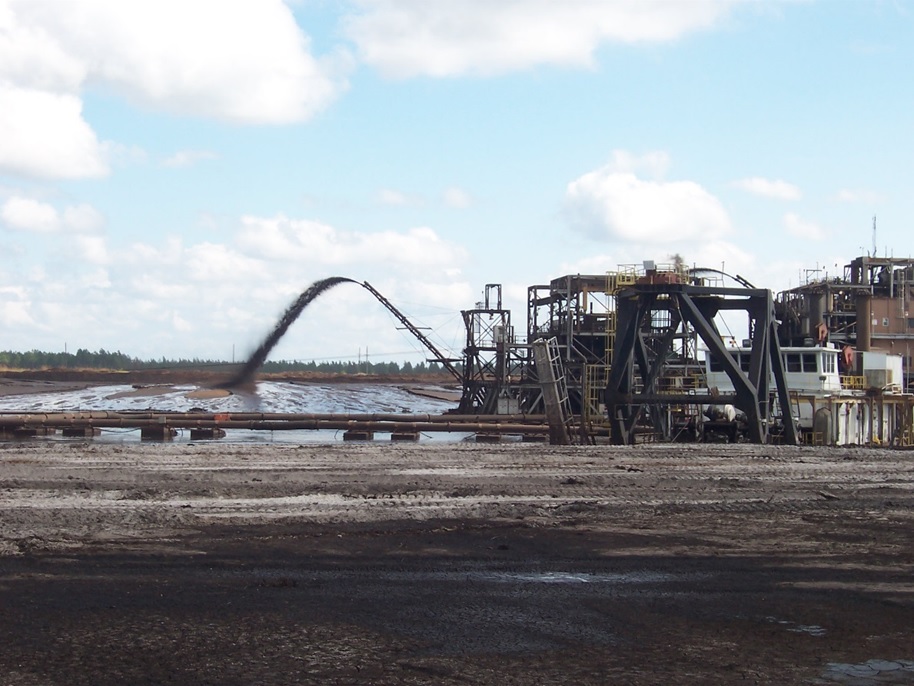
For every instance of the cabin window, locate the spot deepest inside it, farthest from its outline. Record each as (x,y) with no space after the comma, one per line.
(792,362)
(809,363)
(714,365)
(829,363)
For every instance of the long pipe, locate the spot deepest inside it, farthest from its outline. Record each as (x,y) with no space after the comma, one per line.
(19,418)
(267,425)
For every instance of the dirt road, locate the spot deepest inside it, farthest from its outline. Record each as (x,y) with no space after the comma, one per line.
(455,564)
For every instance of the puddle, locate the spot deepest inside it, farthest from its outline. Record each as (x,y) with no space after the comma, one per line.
(870,672)
(811,629)
(793,627)
(570,578)
(485,576)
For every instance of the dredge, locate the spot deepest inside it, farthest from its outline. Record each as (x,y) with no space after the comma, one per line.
(638,354)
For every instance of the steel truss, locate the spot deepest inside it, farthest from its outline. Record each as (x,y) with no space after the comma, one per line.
(640,343)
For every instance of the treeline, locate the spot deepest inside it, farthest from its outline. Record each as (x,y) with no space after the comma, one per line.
(363,367)
(103,359)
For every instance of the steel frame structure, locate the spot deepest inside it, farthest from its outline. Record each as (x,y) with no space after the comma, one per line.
(640,346)
(492,360)
(579,313)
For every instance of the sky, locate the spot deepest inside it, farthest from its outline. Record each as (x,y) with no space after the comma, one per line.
(174,173)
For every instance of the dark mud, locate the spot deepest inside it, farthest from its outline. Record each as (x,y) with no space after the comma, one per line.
(455,565)
(438,603)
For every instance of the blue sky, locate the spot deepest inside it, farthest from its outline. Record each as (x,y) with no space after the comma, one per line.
(173,174)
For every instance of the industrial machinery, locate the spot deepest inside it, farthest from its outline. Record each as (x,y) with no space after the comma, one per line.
(653,314)
(868,308)
(578,315)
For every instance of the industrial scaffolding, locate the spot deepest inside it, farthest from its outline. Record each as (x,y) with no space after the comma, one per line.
(867,308)
(578,315)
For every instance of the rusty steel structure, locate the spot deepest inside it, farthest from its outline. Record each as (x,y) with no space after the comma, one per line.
(653,314)
(499,369)
(493,362)
(627,344)
(868,308)
(577,312)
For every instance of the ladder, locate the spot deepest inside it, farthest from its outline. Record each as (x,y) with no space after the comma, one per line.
(551,373)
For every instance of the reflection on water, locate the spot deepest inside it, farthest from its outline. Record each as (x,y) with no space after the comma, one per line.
(348,398)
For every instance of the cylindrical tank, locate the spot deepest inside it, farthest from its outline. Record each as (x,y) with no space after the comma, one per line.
(822,432)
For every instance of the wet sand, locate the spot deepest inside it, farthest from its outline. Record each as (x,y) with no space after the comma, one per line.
(453,564)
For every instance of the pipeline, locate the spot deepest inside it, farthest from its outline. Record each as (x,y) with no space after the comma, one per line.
(68,418)
(492,424)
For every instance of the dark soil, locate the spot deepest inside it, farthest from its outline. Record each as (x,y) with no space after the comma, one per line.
(587,566)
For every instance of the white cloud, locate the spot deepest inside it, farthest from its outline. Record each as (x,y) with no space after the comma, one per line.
(188,158)
(214,262)
(93,249)
(15,312)
(95,279)
(179,298)
(387,196)
(245,61)
(303,241)
(27,214)
(457,198)
(769,188)
(405,38)
(611,204)
(859,195)
(31,55)
(83,218)
(44,135)
(800,228)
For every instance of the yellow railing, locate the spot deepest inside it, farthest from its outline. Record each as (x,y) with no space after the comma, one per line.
(678,384)
(628,275)
(616,281)
(853,383)
(595,379)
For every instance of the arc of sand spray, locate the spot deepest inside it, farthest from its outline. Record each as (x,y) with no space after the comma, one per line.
(245,376)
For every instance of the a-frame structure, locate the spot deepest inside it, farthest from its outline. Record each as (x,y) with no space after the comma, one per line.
(642,344)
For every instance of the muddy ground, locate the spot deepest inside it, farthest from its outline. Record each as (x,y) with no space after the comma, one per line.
(454,564)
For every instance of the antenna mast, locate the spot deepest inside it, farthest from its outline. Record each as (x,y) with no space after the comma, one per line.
(874,235)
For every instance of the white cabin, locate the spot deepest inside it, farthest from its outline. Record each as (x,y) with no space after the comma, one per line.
(864,405)
(809,370)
